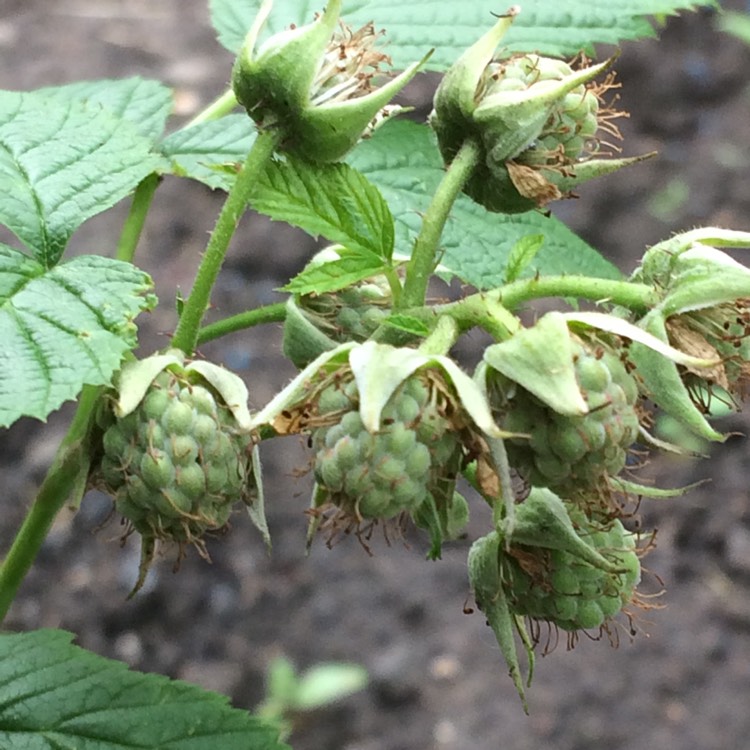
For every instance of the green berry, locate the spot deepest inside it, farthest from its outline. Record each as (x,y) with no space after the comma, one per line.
(381,474)
(572,454)
(178,463)
(563,589)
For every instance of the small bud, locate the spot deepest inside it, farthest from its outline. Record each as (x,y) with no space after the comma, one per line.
(315,84)
(535,118)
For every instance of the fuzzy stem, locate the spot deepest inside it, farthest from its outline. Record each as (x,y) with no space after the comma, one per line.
(422,263)
(63,478)
(442,338)
(131,230)
(220,107)
(637,297)
(275,313)
(186,335)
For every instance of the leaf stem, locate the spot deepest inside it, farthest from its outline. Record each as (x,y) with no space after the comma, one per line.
(131,230)
(275,313)
(636,297)
(186,335)
(422,263)
(220,107)
(66,475)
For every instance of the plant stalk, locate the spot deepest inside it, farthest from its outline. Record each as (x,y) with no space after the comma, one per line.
(275,313)
(186,335)
(636,297)
(420,267)
(70,466)
(131,230)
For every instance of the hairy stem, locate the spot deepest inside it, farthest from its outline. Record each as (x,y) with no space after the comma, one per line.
(66,475)
(275,313)
(423,258)
(220,107)
(637,297)
(186,335)
(131,230)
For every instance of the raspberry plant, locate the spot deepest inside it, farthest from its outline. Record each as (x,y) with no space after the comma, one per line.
(546,430)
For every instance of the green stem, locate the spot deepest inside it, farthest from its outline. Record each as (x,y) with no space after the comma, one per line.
(637,297)
(64,476)
(275,313)
(131,230)
(442,338)
(218,108)
(186,335)
(422,263)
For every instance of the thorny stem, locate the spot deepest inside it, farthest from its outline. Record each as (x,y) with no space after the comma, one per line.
(186,335)
(275,313)
(131,230)
(420,267)
(66,477)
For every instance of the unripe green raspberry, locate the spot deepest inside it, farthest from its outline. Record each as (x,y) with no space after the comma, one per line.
(379,475)
(178,463)
(561,588)
(572,454)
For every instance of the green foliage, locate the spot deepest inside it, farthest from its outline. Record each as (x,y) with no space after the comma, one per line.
(334,201)
(552,27)
(63,328)
(63,161)
(401,159)
(56,695)
(210,152)
(392,419)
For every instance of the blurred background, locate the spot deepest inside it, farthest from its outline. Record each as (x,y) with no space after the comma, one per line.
(437,679)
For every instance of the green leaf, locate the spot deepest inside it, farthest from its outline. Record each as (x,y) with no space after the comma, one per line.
(737,24)
(56,696)
(402,160)
(144,103)
(63,328)
(521,255)
(335,275)
(552,27)
(408,324)
(210,151)
(62,162)
(331,200)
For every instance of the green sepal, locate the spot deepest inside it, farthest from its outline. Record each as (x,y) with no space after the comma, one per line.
(255,499)
(229,386)
(486,581)
(510,121)
(274,83)
(644,490)
(325,133)
(136,377)
(455,98)
(693,274)
(540,359)
(380,369)
(444,514)
(302,341)
(542,520)
(657,263)
(660,380)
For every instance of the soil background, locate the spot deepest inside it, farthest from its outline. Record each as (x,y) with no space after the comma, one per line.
(437,680)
